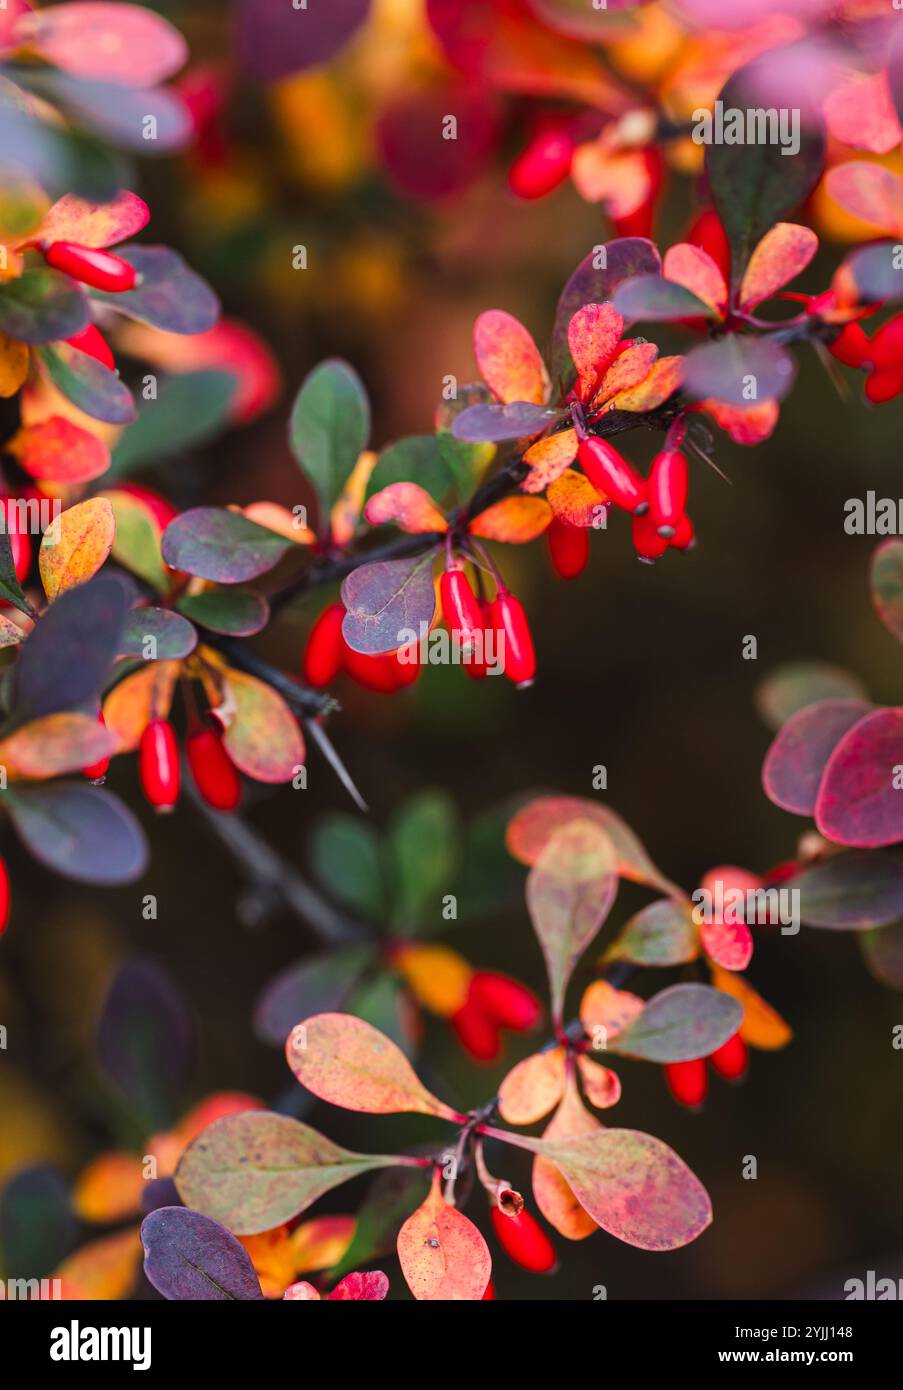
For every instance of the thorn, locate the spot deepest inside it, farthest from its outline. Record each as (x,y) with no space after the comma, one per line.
(325,745)
(711,462)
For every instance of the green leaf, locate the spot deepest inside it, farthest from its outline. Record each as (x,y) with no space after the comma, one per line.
(756,185)
(851,892)
(42,306)
(10,588)
(423,845)
(225,546)
(882,949)
(257,1170)
(385,1003)
(488,879)
(173,635)
(661,934)
(680,1024)
(887,585)
(88,384)
(191,408)
(37,1227)
(62,161)
(329,428)
(236,612)
(347,857)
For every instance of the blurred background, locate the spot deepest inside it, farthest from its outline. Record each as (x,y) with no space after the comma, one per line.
(640,669)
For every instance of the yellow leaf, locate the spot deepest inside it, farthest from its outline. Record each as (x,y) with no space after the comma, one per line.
(762,1025)
(109,1189)
(514,519)
(548,458)
(76,546)
(13,365)
(573,498)
(437,976)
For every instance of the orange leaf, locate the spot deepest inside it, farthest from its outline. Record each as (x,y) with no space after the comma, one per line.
(746,424)
(58,451)
(573,498)
(144,695)
(553,1194)
(608,1010)
(593,336)
(273,1257)
(548,458)
(870,192)
(437,976)
(508,359)
(409,506)
(695,270)
(632,367)
(860,112)
(13,366)
(76,546)
(347,510)
(54,744)
(261,735)
(779,257)
(94,224)
(601,1084)
(279,519)
(531,1088)
(762,1025)
(321,1242)
(514,519)
(105,1270)
(350,1063)
(443,1256)
(109,1189)
(621,180)
(662,381)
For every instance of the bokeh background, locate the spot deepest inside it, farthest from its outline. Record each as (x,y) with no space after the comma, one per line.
(640,669)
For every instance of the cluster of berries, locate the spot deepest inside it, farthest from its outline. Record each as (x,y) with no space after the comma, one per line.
(159,768)
(657,503)
(493,1002)
(688,1082)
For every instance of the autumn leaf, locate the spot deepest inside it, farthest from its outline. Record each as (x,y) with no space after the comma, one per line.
(782,253)
(442,1254)
(593,336)
(531,829)
(109,1189)
(55,744)
(261,735)
(103,1270)
(605,1011)
(76,546)
(548,458)
(347,1062)
(514,519)
(144,695)
(762,1026)
(694,269)
(573,499)
(409,506)
(533,1087)
(509,360)
(554,1197)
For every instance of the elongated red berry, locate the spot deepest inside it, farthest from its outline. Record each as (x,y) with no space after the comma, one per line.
(507,1002)
(543,165)
(20,548)
(158,765)
(688,1082)
(668,484)
(325,648)
(92,341)
(381,673)
(97,771)
(215,775)
(568,548)
(460,607)
(476,1032)
(611,473)
(99,269)
(523,1239)
(731,1059)
(851,346)
(4,896)
(476,665)
(647,542)
(684,537)
(510,622)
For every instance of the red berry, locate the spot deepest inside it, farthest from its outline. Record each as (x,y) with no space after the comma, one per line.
(407,672)
(477,667)
(489,1293)
(215,775)
(476,1032)
(4,896)
(380,673)
(20,548)
(647,542)
(158,764)
(688,1082)
(851,346)
(730,1060)
(96,771)
(507,1002)
(708,233)
(524,1240)
(668,484)
(568,548)
(684,537)
(518,657)
(460,608)
(543,165)
(99,269)
(92,341)
(325,650)
(610,473)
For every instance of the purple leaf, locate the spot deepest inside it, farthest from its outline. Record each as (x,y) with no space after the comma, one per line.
(385,600)
(310,986)
(214,543)
(174,635)
(170,295)
(887,585)
(188,1256)
(159,1192)
(850,892)
(275,38)
(89,384)
(738,370)
(680,1024)
(494,423)
(653,299)
(83,833)
(120,113)
(594,282)
(860,801)
(875,272)
(796,760)
(146,1040)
